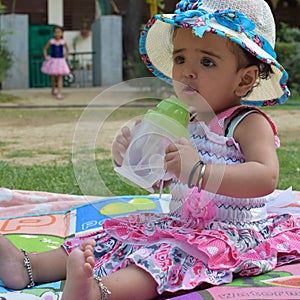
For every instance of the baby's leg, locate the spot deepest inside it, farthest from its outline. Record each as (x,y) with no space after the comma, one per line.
(129,283)
(46,267)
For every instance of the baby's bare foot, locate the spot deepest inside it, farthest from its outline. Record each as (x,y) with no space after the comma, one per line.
(80,283)
(12,271)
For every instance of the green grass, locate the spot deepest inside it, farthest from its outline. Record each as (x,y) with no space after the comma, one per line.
(52,115)
(61,179)
(50,151)
(32,114)
(19,153)
(3,144)
(7,98)
(289,160)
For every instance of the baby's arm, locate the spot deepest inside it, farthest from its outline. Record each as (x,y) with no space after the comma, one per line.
(256,177)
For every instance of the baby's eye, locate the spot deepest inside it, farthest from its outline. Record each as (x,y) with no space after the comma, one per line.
(179,60)
(206,62)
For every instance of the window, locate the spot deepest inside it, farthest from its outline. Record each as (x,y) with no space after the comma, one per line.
(37,10)
(79,14)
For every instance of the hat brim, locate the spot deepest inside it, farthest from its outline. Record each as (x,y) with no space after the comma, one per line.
(156,44)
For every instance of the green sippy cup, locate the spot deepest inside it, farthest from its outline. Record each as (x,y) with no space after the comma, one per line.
(143,163)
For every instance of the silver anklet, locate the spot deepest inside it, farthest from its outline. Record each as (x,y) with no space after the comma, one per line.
(104,291)
(27,265)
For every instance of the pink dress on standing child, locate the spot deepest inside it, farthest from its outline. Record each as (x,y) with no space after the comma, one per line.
(56,64)
(206,237)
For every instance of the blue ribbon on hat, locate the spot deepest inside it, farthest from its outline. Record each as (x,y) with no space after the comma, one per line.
(185,5)
(189,14)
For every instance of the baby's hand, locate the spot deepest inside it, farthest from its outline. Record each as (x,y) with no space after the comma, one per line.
(121,144)
(180,159)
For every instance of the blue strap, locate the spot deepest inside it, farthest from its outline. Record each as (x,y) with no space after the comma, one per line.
(236,121)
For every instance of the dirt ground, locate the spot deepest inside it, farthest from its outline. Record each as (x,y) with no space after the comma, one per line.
(36,138)
(40,140)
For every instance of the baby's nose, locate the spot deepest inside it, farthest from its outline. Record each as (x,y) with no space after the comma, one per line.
(190,72)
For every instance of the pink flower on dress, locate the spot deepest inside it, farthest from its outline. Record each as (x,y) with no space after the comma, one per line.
(175,277)
(198,269)
(163,260)
(107,256)
(199,205)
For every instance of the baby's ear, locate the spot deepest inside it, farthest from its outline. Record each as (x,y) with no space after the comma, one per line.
(248,78)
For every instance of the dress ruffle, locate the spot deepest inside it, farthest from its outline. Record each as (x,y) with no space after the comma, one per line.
(55,66)
(181,257)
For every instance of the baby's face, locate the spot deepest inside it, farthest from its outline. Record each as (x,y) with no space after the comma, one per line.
(204,68)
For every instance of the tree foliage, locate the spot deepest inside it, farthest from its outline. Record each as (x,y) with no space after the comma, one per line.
(6,60)
(288,51)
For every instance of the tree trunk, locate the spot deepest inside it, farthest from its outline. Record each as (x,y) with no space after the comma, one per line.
(132,20)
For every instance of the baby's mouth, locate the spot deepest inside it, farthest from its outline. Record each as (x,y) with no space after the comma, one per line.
(189,90)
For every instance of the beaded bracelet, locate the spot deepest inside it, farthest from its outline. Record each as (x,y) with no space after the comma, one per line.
(27,265)
(104,291)
(191,176)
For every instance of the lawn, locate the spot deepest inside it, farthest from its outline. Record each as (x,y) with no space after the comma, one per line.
(60,178)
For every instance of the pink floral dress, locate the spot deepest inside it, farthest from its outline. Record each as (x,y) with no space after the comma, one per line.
(206,237)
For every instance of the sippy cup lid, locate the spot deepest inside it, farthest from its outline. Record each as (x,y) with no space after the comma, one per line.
(176,109)
(171,115)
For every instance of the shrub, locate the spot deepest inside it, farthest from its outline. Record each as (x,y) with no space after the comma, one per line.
(5,55)
(5,60)
(288,53)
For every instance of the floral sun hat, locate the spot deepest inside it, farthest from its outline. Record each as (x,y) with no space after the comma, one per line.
(249,23)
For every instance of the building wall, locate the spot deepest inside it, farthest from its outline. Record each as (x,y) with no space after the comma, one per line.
(56,12)
(17,44)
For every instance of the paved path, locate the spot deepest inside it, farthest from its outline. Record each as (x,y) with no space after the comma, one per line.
(78,97)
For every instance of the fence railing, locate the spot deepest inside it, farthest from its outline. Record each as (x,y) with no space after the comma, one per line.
(81,66)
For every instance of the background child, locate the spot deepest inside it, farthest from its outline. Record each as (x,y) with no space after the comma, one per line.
(219,225)
(56,65)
